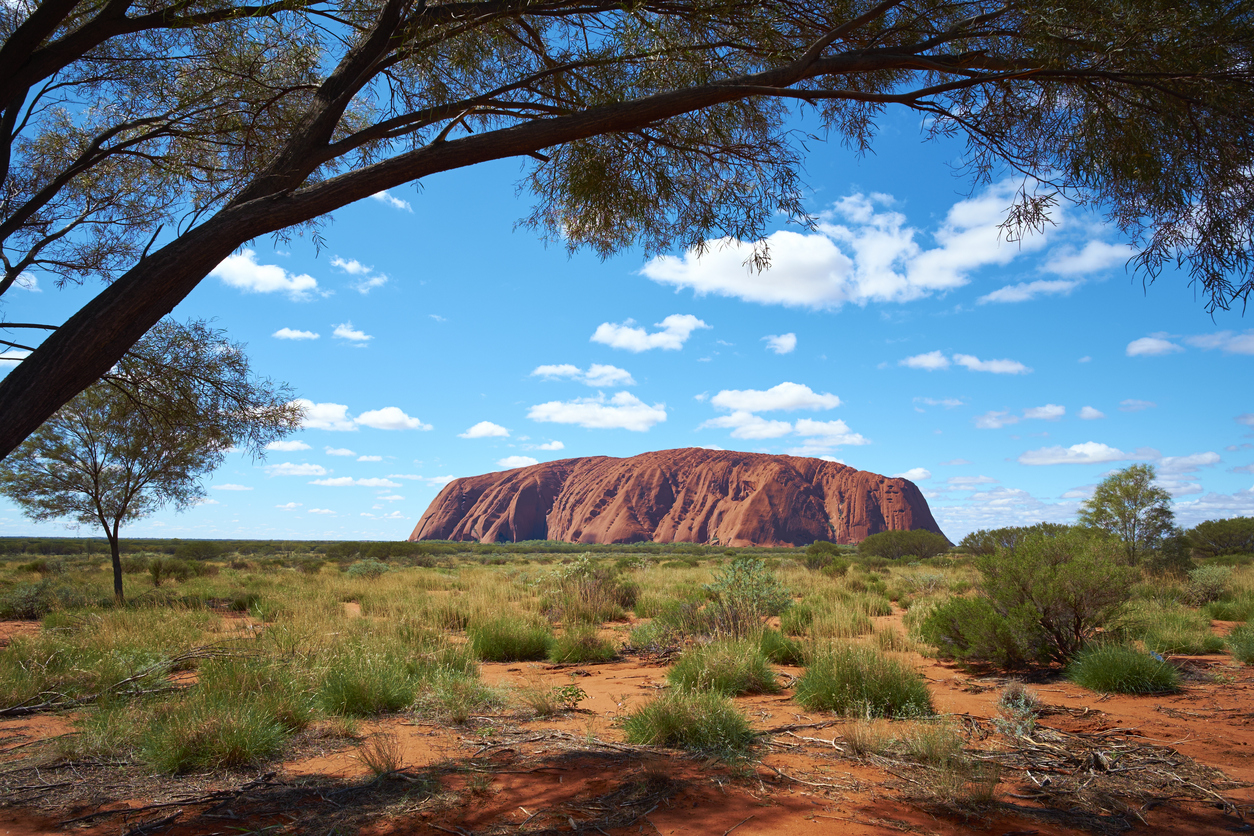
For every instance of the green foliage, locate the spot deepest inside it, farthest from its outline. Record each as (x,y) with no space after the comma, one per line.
(198,550)
(988,541)
(1128,505)
(1221,537)
(1235,608)
(1207,584)
(368,568)
(730,667)
(1170,628)
(894,545)
(32,601)
(590,593)
(581,644)
(1240,643)
(365,681)
(172,568)
(743,592)
(780,649)
(860,681)
(211,731)
(510,638)
(1122,670)
(704,721)
(1041,602)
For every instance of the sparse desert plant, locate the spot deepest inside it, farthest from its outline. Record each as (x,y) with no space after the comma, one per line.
(1172,629)
(1122,670)
(455,698)
(891,640)
(382,753)
(703,721)
(547,701)
(1018,708)
(1240,643)
(580,644)
(730,667)
(654,634)
(510,638)
(867,736)
(860,681)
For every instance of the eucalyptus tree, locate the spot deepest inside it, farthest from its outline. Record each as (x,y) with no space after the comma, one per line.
(145,140)
(143,437)
(1128,505)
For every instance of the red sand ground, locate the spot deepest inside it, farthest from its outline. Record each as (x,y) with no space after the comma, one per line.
(570,772)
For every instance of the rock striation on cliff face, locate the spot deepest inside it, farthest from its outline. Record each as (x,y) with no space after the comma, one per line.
(677,496)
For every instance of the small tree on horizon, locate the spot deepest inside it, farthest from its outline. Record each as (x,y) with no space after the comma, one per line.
(1128,505)
(145,436)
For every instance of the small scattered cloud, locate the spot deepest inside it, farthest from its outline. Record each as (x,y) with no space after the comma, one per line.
(1025,291)
(1246,418)
(293,334)
(242,271)
(388,199)
(1152,346)
(229,487)
(551,446)
(350,482)
(485,429)
(291,469)
(914,474)
(369,458)
(392,497)
(367,279)
(995,420)
(1094,257)
(511,462)
(346,331)
(748,425)
(1177,465)
(1090,452)
(965,482)
(287,446)
(325,416)
(289,506)
(1048,412)
(321,511)
(28,282)
(339,451)
(781,343)
(598,374)
(623,411)
(1225,341)
(948,403)
(676,329)
(785,396)
(1085,359)
(1133,405)
(954,463)
(437,317)
(351,266)
(931,361)
(1088,413)
(975,364)
(390,418)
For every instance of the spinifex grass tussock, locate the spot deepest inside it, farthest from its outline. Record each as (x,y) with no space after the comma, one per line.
(727,666)
(1240,643)
(454,697)
(780,649)
(1122,670)
(382,753)
(860,681)
(1171,628)
(703,721)
(581,644)
(277,689)
(362,681)
(891,640)
(1236,607)
(797,619)
(510,638)
(211,730)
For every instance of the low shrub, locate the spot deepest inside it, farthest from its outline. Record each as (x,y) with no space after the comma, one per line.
(581,644)
(1207,584)
(703,721)
(1122,670)
(894,545)
(368,568)
(742,593)
(859,681)
(731,667)
(1240,643)
(510,638)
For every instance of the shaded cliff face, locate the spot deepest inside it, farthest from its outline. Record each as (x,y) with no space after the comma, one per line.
(677,496)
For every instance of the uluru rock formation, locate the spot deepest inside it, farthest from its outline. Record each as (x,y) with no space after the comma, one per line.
(677,496)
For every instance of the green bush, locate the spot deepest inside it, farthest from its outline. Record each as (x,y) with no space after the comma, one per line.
(365,681)
(704,721)
(510,638)
(894,545)
(211,731)
(1042,601)
(860,681)
(198,550)
(987,541)
(730,667)
(1223,537)
(742,593)
(780,649)
(1240,643)
(1206,584)
(1122,670)
(581,644)
(368,568)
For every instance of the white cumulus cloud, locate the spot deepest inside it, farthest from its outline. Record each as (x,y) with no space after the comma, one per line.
(1093,257)
(485,429)
(346,331)
(325,416)
(747,425)
(914,474)
(369,458)
(1048,412)
(551,445)
(931,361)
(1226,341)
(1090,452)
(785,396)
(390,200)
(995,420)
(389,418)
(511,462)
(623,411)
(339,451)
(676,329)
(242,271)
(598,374)
(291,469)
(975,364)
(293,334)
(1088,413)
(1025,291)
(289,506)
(1154,346)
(287,446)
(781,343)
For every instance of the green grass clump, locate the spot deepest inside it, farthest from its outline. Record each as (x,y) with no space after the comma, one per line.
(797,619)
(653,634)
(211,730)
(730,667)
(1240,643)
(1239,607)
(455,697)
(581,644)
(362,682)
(1172,628)
(1122,670)
(509,638)
(699,720)
(779,648)
(859,681)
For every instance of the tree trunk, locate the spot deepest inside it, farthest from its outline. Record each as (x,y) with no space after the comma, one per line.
(114,549)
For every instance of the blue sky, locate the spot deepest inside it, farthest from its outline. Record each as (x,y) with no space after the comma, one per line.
(432,339)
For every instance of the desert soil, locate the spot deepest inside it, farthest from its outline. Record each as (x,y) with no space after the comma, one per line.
(1178,764)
